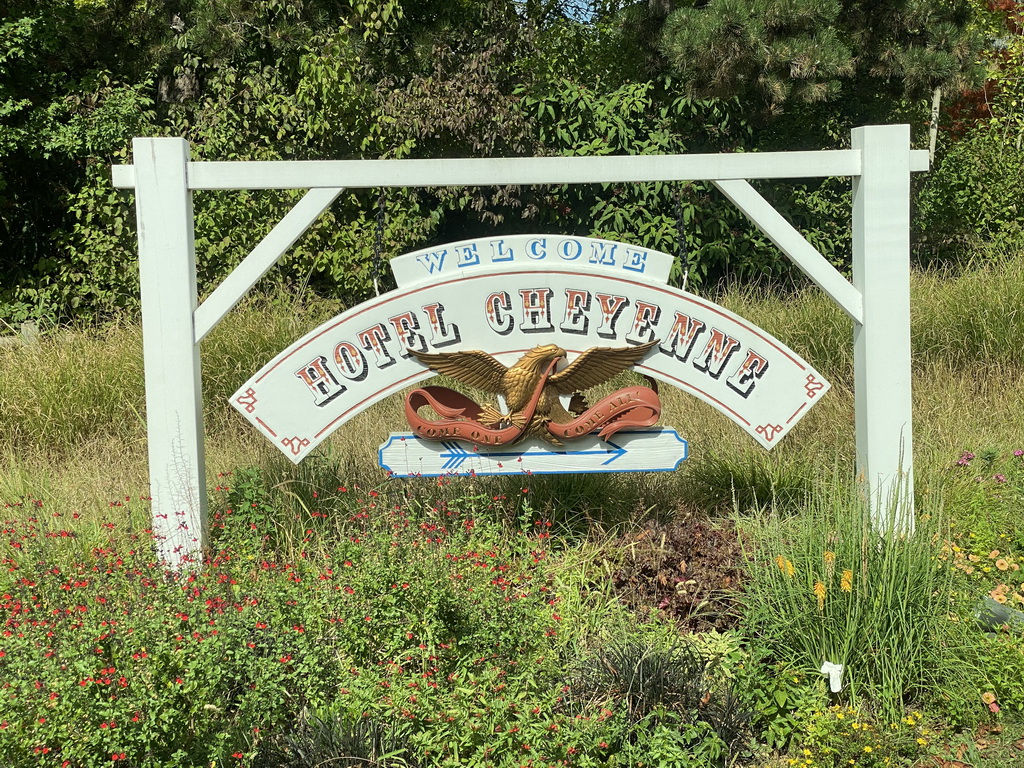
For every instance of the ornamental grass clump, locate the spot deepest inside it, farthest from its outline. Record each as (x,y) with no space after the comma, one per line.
(825,585)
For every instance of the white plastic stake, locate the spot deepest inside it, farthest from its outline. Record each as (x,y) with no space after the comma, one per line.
(834,673)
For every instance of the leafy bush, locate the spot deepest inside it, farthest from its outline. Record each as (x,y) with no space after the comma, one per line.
(987,488)
(973,196)
(674,709)
(429,618)
(688,570)
(841,735)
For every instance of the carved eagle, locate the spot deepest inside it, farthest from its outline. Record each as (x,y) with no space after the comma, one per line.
(516,383)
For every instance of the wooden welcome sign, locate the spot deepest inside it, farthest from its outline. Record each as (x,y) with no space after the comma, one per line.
(535,321)
(532,321)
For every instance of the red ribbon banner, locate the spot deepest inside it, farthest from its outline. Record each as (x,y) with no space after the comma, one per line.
(636,406)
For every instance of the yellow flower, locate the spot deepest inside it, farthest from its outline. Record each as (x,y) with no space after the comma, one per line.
(846,582)
(988,697)
(868,749)
(785,565)
(819,592)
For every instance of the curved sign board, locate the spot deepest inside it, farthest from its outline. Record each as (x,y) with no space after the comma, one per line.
(507,296)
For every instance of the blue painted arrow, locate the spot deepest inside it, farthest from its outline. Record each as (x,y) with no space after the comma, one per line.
(457,454)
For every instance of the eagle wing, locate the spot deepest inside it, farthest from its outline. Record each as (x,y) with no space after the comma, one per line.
(596,366)
(473,367)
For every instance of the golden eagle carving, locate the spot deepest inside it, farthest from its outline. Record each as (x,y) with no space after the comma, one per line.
(531,389)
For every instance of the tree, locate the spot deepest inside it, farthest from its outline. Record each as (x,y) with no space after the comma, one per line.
(866,55)
(972,197)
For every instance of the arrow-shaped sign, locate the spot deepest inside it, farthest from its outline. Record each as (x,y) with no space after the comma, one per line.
(647,450)
(457,454)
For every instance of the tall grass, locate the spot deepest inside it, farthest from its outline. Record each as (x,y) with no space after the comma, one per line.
(72,408)
(825,586)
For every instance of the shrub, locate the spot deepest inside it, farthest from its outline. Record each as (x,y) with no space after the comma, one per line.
(673,707)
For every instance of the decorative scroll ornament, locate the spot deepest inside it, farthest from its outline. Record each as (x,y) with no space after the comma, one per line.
(531,389)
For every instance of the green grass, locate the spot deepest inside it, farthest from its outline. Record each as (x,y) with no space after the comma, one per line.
(73,458)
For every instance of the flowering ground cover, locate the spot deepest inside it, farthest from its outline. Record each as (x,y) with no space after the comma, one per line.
(473,631)
(671,620)
(442,630)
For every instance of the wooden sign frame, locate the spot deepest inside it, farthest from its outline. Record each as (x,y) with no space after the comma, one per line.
(163,176)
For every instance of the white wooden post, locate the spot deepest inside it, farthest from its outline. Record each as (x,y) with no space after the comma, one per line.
(880,162)
(174,401)
(881,273)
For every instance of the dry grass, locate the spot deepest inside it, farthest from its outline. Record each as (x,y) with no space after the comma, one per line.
(72,408)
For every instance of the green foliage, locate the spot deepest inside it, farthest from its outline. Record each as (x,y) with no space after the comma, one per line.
(274,80)
(973,196)
(780,697)
(749,481)
(675,708)
(776,52)
(970,317)
(825,586)
(102,397)
(76,83)
(840,735)
(331,738)
(417,617)
(987,489)
(999,663)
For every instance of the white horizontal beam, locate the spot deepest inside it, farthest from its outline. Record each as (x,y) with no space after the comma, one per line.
(264,256)
(288,174)
(794,245)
